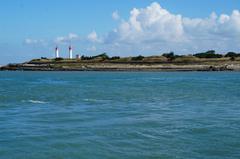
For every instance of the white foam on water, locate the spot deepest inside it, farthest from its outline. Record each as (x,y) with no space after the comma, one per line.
(95,100)
(37,102)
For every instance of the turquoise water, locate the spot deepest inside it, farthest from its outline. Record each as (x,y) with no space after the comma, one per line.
(58,115)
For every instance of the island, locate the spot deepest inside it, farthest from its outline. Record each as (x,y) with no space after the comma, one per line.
(206,61)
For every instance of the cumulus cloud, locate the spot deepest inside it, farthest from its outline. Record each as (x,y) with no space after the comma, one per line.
(30,41)
(155,29)
(150,24)
(93,37)
(66,39)
(115,15)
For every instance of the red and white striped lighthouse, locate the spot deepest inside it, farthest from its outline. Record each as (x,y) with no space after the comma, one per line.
(70,52)
(56,52)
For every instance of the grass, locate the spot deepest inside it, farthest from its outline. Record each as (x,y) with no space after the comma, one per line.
(188,59)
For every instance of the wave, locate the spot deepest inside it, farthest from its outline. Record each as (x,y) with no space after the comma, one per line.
(35,101)
(96,100)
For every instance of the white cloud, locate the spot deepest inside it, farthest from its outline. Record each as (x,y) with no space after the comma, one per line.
(115,15)
(29,41)
(151,24)
(72,36)
(66,39)
(93,37)
(92,48)
(155,29)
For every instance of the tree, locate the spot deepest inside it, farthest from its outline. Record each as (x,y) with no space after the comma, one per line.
(104,56)
(232,58)
(232,54)
(59,59)
(115,58)
(138,58)
(208,54)
(86,57)
(170,56)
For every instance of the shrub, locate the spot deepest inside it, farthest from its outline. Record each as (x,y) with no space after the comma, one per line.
(170,56)
(208,54)
(232,54)
(137,58)
(103,56)
(115,58)
(34,60)
(232,58)
(86,57)
(59,59)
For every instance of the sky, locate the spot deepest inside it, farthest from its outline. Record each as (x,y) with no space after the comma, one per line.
(32,29)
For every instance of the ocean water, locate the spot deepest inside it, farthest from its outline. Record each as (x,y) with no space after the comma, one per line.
(78,115)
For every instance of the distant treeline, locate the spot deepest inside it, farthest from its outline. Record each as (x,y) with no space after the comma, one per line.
(170,56)
(212,54)
(102,56)
(208,54)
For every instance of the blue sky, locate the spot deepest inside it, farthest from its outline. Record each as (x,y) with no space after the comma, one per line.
(29,28)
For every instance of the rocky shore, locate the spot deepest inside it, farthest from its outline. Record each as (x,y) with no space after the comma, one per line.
(79,65)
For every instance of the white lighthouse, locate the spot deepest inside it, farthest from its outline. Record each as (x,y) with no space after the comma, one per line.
(56,52)
(70,52)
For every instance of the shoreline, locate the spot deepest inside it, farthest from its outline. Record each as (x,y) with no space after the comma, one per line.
(186,63)
(130,67)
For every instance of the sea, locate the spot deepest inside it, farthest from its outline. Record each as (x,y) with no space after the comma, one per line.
(119,115)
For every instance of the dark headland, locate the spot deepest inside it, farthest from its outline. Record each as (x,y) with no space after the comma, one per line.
(207,61)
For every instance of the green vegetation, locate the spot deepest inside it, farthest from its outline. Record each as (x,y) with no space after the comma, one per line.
(34,60)
(102,56)
(170,56)
(137,58)
(115,58)
(208,54)
(86,57)
(206,61)
(59,59)
(232,54)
